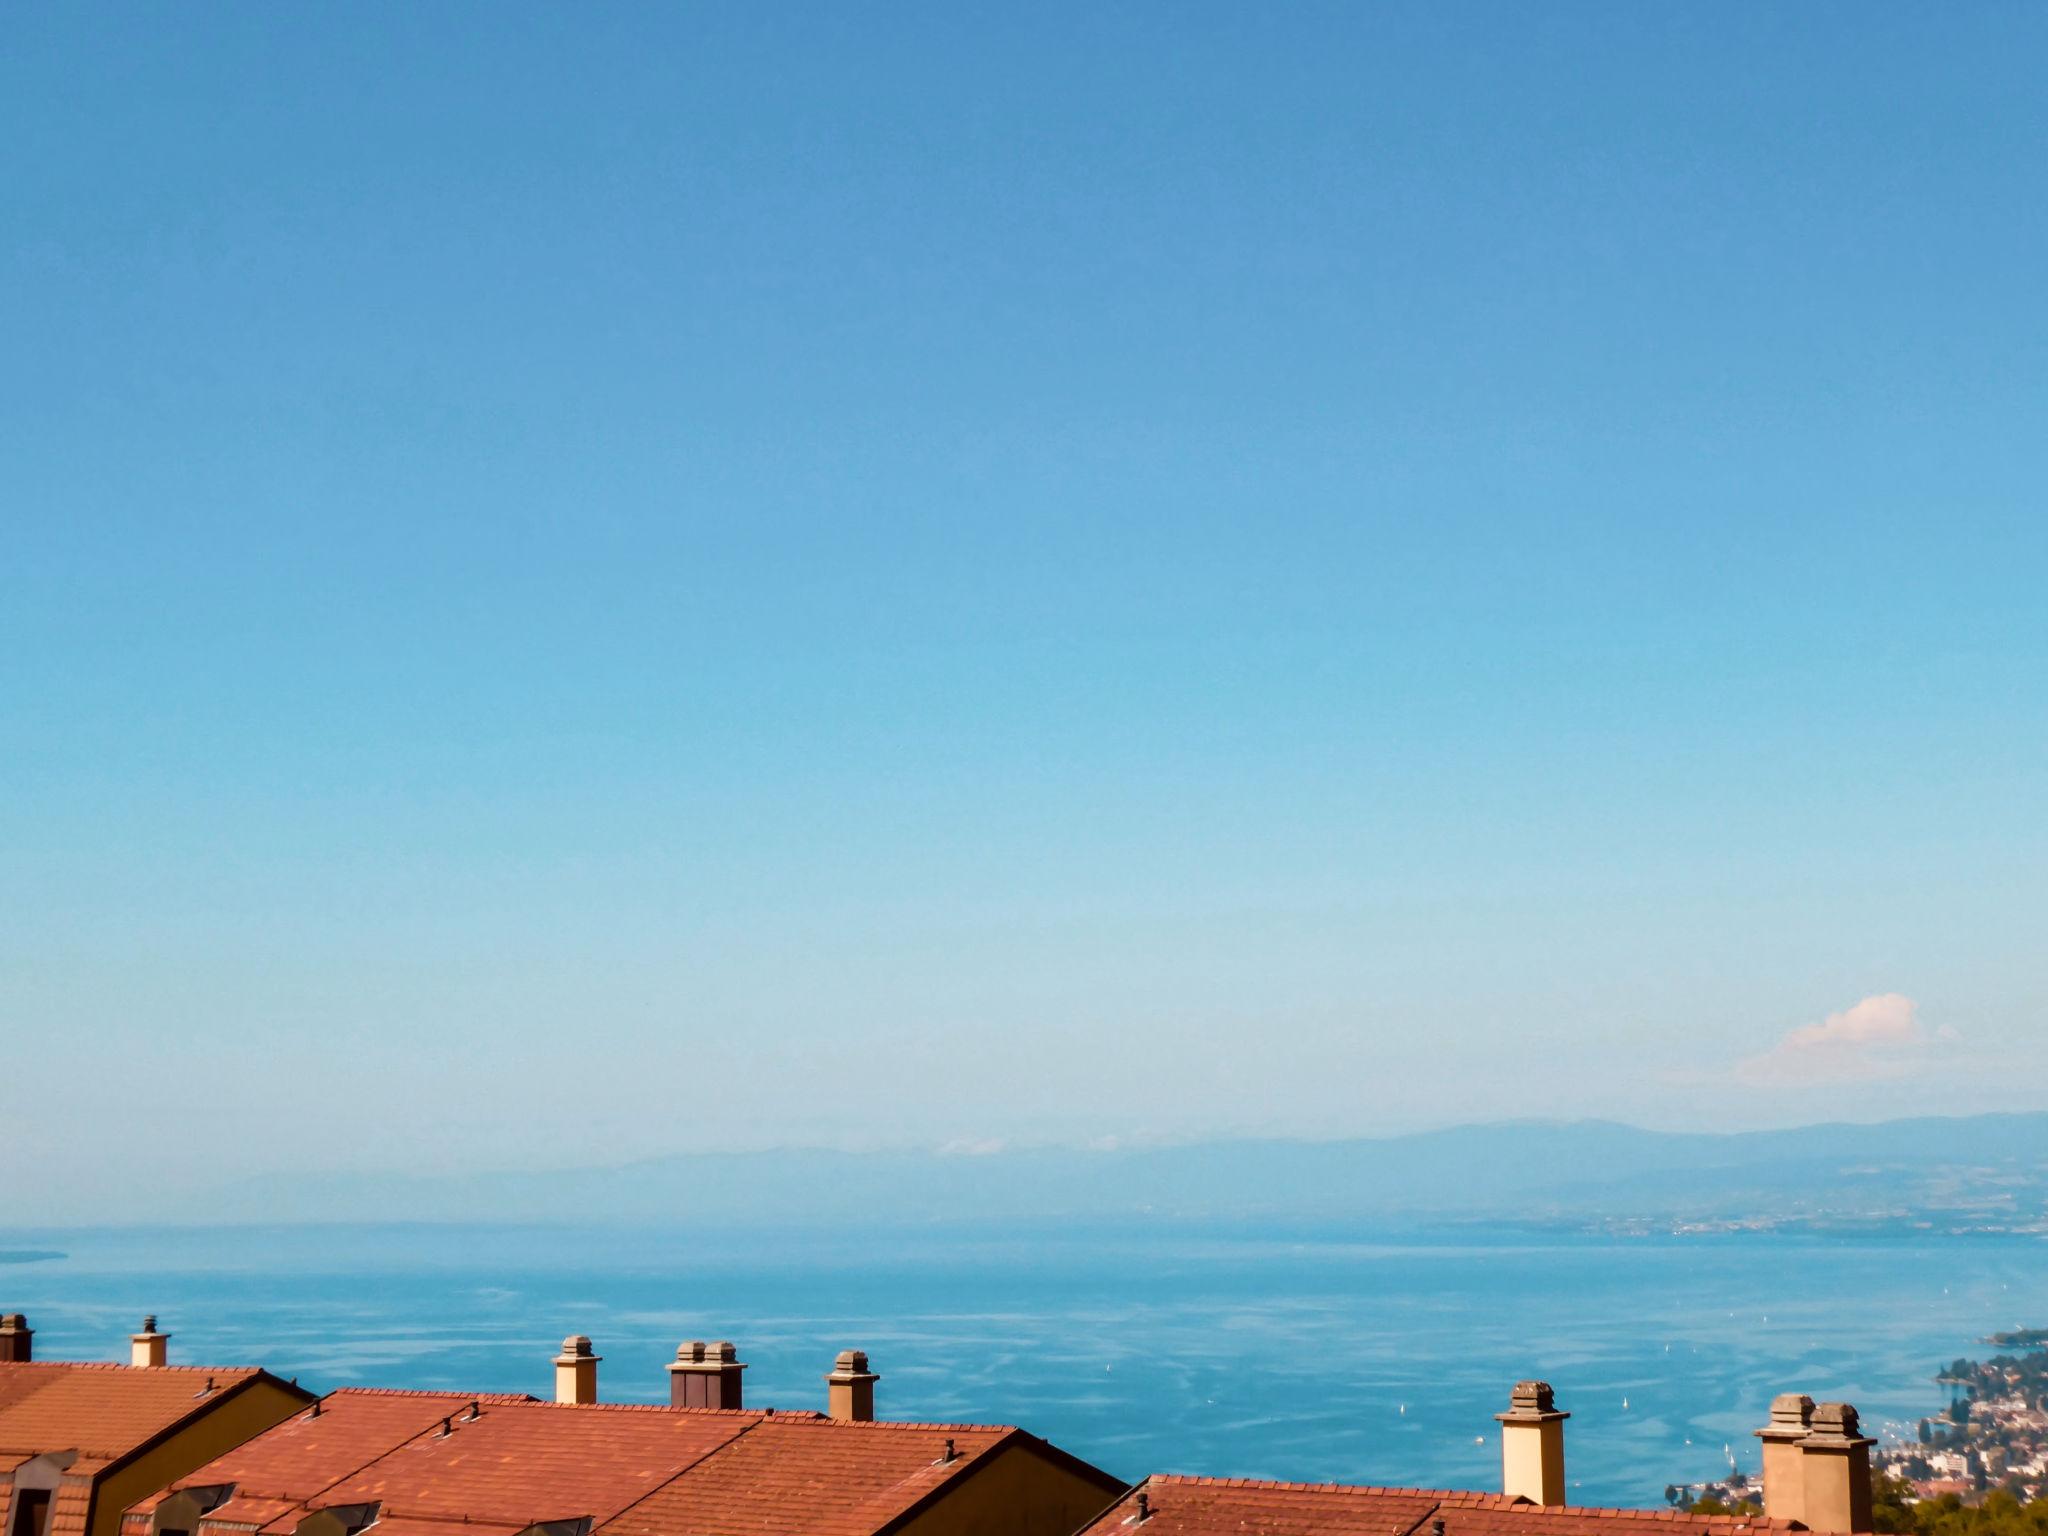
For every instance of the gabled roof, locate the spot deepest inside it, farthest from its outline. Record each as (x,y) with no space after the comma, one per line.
(1205,1506)
(299,1459)
(520,1463)
(1505,1519)
(104,1411)
(436,1466)
(820,1476)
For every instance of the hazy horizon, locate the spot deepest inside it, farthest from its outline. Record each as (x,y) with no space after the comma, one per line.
(1957,1174)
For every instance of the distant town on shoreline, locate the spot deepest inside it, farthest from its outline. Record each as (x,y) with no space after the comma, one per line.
(1985,1451)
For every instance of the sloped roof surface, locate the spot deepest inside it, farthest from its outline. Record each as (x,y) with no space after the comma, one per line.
(819,1476)
(103,1411)
(528,1462)
(1201,1506)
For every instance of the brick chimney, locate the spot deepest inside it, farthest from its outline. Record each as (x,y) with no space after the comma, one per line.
(1835,1457)
(705,1375)
(16,1340)
(148,1347)
(576,1371)
(1784,1466)
(1532,1444)
(850,1389)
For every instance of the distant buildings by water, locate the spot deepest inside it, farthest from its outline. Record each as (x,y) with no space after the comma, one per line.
(1994,1432)
(151,1449)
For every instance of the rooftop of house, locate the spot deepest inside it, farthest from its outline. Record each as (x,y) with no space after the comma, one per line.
(1207,1506)
(436,1463)
(98,1415)
(826,1477)
(103,1411)
(295,1461)
(528,1463)
(443,1461)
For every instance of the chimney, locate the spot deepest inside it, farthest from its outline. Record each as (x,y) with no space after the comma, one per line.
(16,1339)
(850,1389)
(705,1375)
(1784,1466)
(148,1347)
(1835,1457)
(576,1371)
(1532,1444)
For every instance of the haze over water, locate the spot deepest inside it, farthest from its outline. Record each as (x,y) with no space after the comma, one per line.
(1306,1354)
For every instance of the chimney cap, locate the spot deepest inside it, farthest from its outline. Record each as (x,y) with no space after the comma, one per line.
(13,1322)
(852,1365)
(1531,1402)
(1791,1417)
(696,1355)
(1836,1427)
(577,1347)
(149,1329)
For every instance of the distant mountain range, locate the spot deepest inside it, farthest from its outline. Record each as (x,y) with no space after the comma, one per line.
(1985,1172)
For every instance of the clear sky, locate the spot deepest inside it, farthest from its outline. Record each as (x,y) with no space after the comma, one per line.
(583,581)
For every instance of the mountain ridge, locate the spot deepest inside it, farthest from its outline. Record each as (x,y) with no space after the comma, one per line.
(1949,1170)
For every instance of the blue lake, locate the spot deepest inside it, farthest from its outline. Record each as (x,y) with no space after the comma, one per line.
(1294,1354)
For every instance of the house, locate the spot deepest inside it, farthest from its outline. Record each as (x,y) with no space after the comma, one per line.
(80,1442)
(839,1478)
(1210,1506)
(1816,1478)
(440,1464)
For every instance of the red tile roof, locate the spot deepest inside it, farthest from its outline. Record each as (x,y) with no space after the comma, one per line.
(633,1470)
(817,1475)
(1201,1506)
(525,1462)
(406,1526)
(299,1459)
(102,1410)
(1530,1520)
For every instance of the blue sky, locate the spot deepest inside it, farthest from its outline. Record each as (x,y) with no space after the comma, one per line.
(580,582)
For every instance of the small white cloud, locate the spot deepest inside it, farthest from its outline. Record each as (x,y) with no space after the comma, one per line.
(1880,1037)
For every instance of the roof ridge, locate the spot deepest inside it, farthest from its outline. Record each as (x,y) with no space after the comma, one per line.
(122,1365)
(1278,1485)
(872,1425)
(668,1408)
(1670,1516)
(451,1392)
(1454,1499)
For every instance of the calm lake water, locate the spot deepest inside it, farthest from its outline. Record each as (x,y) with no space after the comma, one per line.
(1311,1355)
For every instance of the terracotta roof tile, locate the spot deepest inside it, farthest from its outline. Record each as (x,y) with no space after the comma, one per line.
(318,1446)
(527,1462)
(434,1468)
(404,1526)
(72,1506)
(1182,1506)
(819,1476)
(247,1512)
(1197,1506)
(1506,1519)
(108,1410)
